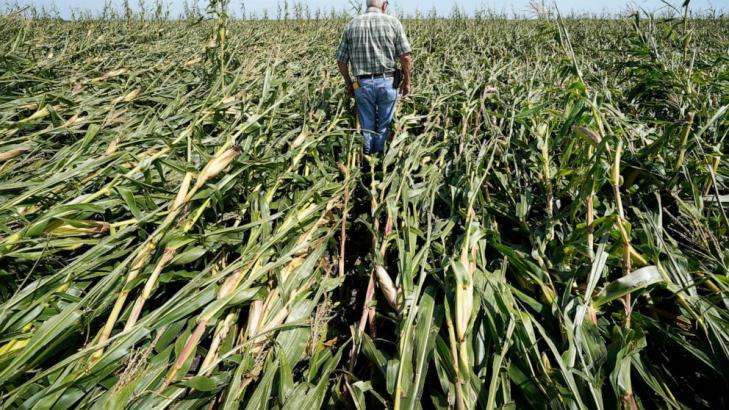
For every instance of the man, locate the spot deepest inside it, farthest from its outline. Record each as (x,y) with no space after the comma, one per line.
(372,43)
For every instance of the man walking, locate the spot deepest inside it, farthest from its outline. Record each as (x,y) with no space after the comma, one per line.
(372,43)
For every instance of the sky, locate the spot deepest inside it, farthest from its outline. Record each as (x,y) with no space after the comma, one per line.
(405,6)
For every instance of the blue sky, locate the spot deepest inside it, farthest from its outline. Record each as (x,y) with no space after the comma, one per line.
(408,6)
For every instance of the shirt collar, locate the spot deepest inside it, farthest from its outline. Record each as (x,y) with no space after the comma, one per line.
(373,10)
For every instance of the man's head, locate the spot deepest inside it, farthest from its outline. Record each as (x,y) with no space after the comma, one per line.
(378,4)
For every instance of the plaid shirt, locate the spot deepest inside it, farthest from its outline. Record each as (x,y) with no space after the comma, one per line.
(372,43)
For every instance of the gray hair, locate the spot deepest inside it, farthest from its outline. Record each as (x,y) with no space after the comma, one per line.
(375,3)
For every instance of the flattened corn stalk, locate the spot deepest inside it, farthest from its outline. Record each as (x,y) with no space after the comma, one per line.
(555,213)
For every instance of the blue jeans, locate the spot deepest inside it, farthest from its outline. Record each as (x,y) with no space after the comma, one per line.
(376,100)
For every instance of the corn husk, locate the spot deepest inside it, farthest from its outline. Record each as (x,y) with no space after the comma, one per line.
(41,113)
(182,193)
(73,120)
(90,228)
(12,153)
(112,147)
(190,63)
(296,143)
(588,134)
(110,74)
(216,165)
(254,317)
(128,97)
(464,300)
(387,286)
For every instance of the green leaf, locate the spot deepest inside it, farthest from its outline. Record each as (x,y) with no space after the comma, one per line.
(131,202)
(259,399)
(374,354)
(200,383)
(636,280)
(285,377)
(189,255)
(424,342)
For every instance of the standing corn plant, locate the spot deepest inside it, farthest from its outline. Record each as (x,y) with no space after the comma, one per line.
(219,9)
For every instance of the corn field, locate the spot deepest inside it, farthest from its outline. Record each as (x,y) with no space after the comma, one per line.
(187,220)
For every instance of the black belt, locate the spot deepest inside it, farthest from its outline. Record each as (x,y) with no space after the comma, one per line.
(373,76)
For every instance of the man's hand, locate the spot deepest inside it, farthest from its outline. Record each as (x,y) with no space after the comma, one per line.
(344,70)
(406,62)
(405,88)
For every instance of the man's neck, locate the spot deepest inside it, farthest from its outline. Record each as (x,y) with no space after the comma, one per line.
(374,10)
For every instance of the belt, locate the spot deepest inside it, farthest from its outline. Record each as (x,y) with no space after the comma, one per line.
(373,76)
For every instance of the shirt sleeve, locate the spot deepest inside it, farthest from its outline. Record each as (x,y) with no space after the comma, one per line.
(343,49)
(402,45)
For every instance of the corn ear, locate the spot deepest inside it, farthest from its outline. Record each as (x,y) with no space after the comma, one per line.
(12,153)
(588,134)
(387,286)
(216,165)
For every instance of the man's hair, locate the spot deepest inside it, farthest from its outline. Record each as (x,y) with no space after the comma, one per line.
(375,3)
